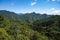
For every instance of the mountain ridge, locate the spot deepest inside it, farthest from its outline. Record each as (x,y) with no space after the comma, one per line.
(30,17)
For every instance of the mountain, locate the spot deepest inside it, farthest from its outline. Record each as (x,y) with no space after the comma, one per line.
(31,17)
(49,27)
(9,15)
(28,17)
(11,29)
(29,26)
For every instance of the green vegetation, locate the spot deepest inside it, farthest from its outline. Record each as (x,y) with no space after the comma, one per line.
(29,26)
(49,27)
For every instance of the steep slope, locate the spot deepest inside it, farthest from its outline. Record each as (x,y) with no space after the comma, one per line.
(17,30)
(49,26)
(9,15)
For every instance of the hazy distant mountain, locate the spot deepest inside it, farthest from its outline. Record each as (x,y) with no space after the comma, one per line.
(29,17)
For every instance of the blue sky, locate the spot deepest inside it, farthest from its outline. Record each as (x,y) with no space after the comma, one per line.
(24,6)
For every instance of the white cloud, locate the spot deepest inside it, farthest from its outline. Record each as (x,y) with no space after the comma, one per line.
(52,9)
(53,0)
(33,3)
(55,11)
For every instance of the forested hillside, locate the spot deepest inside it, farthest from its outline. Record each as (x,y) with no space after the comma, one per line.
(49,27)
(29,26)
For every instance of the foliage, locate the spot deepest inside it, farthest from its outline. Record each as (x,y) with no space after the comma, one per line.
(29,26)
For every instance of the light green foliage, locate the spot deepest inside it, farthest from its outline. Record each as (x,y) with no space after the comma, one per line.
(29,26)
(4,35)
(22,37)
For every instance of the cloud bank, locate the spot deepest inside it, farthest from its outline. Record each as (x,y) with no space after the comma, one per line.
(55,11)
